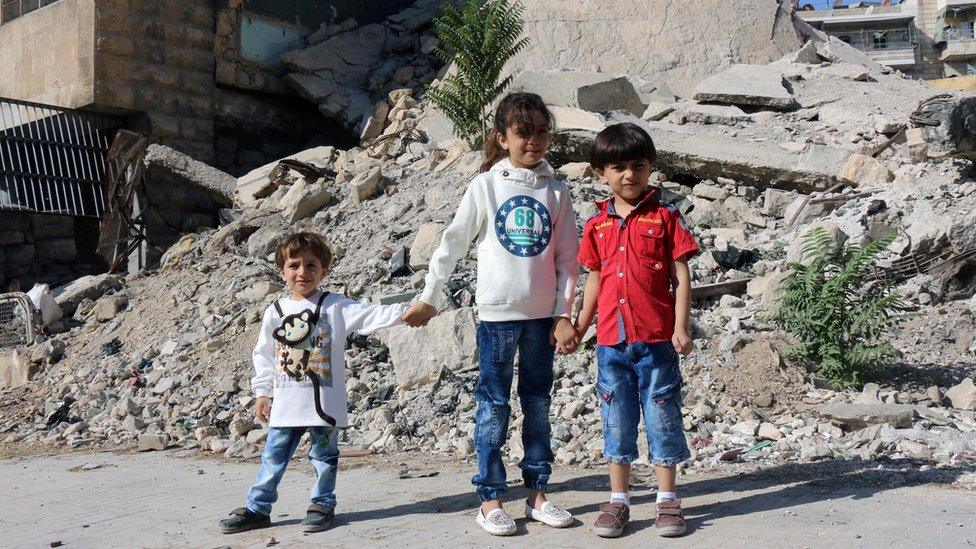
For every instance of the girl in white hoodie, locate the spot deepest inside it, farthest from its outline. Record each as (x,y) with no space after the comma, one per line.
(521,219)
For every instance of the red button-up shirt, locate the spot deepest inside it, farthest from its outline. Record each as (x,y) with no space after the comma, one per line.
(635,258)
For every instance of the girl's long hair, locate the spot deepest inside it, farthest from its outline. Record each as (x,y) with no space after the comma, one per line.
(514,110)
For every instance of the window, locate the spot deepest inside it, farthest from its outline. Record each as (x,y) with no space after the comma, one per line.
(12,9)
(879,40)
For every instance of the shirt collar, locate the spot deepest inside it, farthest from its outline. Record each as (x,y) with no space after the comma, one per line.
(606,206)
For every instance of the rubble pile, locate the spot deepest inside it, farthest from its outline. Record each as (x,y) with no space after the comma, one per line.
(162,359)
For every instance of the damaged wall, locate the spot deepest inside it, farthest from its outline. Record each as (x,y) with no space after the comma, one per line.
(45,248)
(672,42)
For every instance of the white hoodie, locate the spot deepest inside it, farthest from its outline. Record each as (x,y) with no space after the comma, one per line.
(525,229)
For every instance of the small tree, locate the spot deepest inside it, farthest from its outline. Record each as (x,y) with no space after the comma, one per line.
(479,39)
(837,311)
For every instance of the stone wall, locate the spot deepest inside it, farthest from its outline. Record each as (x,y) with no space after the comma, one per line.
(930,62)
(45,248)
(47,56)
(157,58)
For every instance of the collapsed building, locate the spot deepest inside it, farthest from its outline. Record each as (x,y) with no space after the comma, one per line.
(756,149)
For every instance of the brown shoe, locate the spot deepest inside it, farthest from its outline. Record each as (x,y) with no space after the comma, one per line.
(612,519)
(670,521)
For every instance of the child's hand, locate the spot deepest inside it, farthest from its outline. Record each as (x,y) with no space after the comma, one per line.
(682,342)
(262,409)
(419,314)
(564,336)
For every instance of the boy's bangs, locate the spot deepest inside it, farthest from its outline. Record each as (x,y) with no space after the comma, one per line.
(621,143)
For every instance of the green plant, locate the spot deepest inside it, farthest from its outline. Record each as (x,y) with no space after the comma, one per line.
(479,39)
(837,310)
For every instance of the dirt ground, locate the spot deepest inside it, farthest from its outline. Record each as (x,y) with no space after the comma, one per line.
(164,499)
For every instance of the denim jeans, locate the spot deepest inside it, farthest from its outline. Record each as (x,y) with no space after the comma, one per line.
(635,376)
(281,445)
(497,343)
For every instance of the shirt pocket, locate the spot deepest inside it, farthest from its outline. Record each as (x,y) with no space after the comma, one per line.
(652,255)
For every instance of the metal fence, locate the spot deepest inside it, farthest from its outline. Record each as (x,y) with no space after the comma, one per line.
(52,160)
(17,320)
(878,39)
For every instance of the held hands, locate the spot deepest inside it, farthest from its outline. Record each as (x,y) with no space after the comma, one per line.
(564,336)
(262,409)
(419,314)
(682,341)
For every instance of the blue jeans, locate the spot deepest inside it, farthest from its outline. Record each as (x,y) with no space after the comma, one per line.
(281,445)
(635,376)
(497,343)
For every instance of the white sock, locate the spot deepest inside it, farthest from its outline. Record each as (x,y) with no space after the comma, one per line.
(617,497)
(666,496)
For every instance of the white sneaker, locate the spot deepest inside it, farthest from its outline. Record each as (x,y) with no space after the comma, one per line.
(497,523)
(549,514)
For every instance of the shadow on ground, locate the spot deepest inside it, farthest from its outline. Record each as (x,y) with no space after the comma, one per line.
(791,484)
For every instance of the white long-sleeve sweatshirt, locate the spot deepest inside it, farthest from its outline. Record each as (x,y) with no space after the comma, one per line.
(525,231)
(294,404)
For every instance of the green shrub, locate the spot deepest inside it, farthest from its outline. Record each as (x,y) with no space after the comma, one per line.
(479,39)
(837,310)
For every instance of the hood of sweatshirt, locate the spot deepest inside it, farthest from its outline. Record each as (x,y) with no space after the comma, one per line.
(524,177)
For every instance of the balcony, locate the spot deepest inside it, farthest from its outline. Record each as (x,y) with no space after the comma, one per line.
(894,47)
(956,4)
(959,49)
(873,14)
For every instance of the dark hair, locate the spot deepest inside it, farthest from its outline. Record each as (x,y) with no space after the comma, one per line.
(514,110)
(621,143)
(294,243)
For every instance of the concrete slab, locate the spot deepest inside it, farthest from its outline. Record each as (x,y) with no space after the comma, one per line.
(156,499)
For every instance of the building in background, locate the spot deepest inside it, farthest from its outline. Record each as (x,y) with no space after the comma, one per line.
(927,39)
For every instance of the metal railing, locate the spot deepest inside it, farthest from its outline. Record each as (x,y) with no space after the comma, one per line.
(878,39)
(958,33)
(12,9)
(52,160)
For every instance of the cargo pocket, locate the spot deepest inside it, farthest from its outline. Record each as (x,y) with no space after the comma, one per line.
(666,412)
(605,394)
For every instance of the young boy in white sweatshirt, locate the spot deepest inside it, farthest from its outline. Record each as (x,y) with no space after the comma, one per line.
(306,376)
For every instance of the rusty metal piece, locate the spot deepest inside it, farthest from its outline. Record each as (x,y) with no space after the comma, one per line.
(719,288)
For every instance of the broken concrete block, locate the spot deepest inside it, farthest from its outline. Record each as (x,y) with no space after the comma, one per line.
(169,167)
(149,442)
(963,395)
(374,124)
(87,287)
(589,91)
(657,110)
(744,211)
(847,71)
(728,115)
(918,147)
(365,185)
(757,85)
(836,50)
(568,118)
(807,54)
(576,170)
(709,192)
(775,202)
(107,307)
(768,431)
(424,244)
(304,199)
(15,369)
(861,169)
(421,355)
(311,87)
(859,416)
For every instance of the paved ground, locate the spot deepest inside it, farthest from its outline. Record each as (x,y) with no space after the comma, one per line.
(163,500)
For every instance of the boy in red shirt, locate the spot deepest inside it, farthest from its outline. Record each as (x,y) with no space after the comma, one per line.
(637,251)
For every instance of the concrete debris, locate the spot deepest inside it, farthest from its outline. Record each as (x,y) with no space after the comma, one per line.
(862,415)
(588,91)
(963,395)
(168,167)
(756,85)
(159,359)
